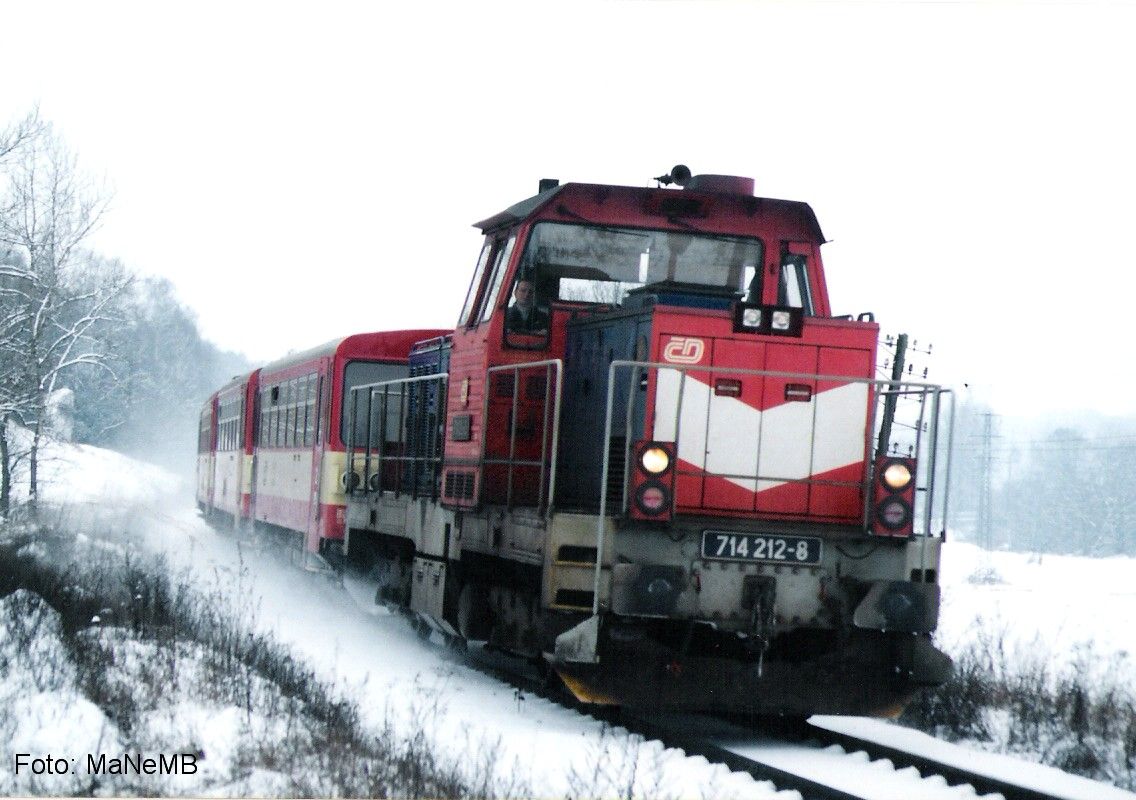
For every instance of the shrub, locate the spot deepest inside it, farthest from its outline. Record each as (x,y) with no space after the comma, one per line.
(1080,718)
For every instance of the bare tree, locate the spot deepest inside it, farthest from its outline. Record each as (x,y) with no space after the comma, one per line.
(48,209)
(20,133)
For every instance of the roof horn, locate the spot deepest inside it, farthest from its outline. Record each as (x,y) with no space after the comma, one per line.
(679,175)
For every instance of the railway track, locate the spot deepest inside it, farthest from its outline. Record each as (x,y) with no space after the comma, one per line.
(819,764)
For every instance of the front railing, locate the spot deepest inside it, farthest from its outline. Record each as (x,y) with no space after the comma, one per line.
(685,409)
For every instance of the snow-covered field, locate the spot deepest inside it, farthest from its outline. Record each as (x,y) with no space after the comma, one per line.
(1049,605)
(1056,607)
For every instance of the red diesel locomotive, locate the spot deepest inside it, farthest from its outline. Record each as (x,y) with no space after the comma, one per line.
(648,456)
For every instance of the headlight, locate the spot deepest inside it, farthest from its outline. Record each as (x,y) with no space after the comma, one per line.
(781,320)
(896,475)
(751,317)
(655,460)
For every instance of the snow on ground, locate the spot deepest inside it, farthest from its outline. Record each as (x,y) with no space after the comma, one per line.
(392,674)
(1051,602)
(46,713)
(1064,609)
(376,658)
(71,473)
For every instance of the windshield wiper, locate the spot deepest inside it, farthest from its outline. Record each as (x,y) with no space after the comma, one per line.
(683,224)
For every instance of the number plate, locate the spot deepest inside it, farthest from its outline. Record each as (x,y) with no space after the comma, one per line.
(725,546)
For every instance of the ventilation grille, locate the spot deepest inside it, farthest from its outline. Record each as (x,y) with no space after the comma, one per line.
(617,462)
(459,485)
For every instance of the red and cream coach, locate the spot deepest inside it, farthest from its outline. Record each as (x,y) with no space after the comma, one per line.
(271,443)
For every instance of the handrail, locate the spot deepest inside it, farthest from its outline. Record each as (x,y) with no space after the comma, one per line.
(374,452)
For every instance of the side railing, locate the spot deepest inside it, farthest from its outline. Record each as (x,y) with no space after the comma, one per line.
(520,433)
(685,408)
(396,431)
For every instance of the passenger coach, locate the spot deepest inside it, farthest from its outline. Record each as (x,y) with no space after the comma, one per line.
(270,444)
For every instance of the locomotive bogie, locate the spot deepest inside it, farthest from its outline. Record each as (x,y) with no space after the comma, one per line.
(864,672)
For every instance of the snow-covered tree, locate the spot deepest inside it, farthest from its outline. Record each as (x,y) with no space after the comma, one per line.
(162,372)
(48,209)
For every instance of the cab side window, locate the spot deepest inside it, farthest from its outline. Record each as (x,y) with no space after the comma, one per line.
(793,283)
(475,284)
(500,267)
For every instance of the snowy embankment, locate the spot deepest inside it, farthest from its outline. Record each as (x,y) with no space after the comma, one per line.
(528,745)
(491,737)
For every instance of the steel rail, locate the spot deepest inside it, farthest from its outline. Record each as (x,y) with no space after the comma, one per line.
(982,783)
(697,744)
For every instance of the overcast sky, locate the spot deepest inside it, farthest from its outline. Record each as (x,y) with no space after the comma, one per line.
(303,171)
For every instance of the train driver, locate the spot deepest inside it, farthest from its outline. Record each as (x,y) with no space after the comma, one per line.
(524,316)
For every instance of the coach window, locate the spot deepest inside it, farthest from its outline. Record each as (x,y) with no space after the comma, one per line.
(227,418)
(306,412)
(231,424)
(282,416)
(298,414)
(277,421)
(286,416)
(293,411)
(203,432)
(277,427)
(301,406)
(500,267)
(320,413)
(301,401)
(266,416)
(310,412)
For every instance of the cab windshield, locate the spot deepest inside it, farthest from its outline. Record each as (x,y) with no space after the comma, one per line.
(593,264)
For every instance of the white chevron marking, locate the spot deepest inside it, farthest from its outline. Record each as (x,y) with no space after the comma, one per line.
(723,435)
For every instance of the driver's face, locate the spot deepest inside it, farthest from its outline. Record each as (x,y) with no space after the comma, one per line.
(524,293)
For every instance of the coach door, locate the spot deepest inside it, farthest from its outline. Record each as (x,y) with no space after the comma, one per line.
(315,389)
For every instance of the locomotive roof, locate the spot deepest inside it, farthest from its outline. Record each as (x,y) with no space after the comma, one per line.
(525,208)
